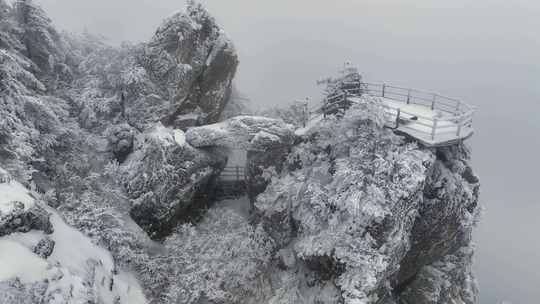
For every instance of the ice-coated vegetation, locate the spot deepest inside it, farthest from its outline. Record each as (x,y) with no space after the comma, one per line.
(354,202)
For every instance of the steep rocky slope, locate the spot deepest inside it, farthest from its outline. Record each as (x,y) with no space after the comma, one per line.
(90,129)
(361,215)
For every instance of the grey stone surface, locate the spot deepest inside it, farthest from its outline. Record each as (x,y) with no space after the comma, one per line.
(21,220)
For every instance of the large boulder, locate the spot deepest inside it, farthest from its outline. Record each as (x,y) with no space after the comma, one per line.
(182,77)
(191,58)
(267,152)
(21,220)
(246,132)
(18,211)
(163,176)
(120,139)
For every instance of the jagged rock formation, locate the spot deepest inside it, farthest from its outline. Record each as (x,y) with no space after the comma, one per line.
(355,213)
(371,218)
(194,59)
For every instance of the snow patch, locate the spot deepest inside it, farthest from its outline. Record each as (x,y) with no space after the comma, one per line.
(17,261)
(75,251)
(12,192)
(168,137)
(162,134)
(74,259)
(179,137)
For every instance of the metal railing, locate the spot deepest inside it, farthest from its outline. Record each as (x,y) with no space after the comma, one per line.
(448,109)
(233,173)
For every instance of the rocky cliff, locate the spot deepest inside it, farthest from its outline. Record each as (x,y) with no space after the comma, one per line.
(104,151)
(355,213)
(361,215)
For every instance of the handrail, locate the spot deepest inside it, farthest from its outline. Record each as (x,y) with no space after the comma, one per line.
(237,172)
(450,109)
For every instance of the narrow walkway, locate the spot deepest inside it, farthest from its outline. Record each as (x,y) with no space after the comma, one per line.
(432,119)
(231,184)
(431,127)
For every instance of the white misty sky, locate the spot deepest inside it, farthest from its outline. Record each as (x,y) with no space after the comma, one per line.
(484,51)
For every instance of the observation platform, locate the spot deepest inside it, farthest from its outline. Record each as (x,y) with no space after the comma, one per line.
(432,119)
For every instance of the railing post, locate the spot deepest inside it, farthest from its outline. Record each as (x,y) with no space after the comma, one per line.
(459,129)
(306,114)
(237,173)
(458,105)
(435,122)
(433,102)
(383,89)
(408,96)
(397,117)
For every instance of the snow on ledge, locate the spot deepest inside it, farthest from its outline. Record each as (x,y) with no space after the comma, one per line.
(72,255)
(17,261)
(11,192)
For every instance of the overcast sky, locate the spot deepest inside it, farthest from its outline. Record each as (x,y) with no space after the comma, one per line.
(484,51)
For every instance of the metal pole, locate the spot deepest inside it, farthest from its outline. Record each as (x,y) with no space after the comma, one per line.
(305,109)
(434,129)
(237,173)
(457,107)
(458,129)
(397,117)
(408,96)
(433,102)
(383,89)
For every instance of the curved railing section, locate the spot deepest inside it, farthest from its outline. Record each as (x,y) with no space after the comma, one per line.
(446,117)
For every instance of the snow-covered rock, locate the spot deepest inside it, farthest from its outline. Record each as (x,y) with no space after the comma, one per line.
(195,61)
(43,44)
(366,212)
(59,264)
(121,139)
(247,132)
(445,281)
(163,175)
(18,211)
